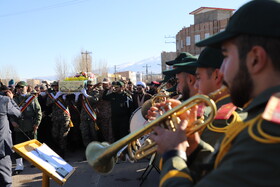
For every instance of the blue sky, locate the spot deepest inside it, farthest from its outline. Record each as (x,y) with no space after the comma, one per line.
(34,33)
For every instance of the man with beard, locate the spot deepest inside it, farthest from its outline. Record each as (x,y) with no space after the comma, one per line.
(26,126)
(209,81)
(140,95)
(249,153)
(185,74)
(121,107)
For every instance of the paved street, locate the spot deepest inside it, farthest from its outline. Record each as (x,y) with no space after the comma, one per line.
(124,174)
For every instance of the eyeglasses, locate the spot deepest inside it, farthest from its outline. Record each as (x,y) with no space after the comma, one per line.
(20,86)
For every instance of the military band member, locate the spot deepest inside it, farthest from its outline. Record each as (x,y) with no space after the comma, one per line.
(249,153)
(26,126)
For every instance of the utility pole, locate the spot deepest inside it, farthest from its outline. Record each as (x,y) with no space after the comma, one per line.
(147,67)
(115,72)
(86,53)
(170,37)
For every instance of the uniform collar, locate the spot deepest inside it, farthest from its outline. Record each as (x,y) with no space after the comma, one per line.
(262,98)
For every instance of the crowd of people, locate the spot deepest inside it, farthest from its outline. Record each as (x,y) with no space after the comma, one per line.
(99,112)
(238,69)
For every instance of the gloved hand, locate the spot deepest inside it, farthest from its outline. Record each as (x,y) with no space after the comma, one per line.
(64,96)
(77,96)
(59,93)
(84,92)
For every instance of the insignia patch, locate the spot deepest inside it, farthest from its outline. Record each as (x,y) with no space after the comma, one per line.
(272,109)
(225,111)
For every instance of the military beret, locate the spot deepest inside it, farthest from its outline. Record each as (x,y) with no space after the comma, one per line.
(90,82)
(119,83)
(54,83)
(21,83)
(210,58)
(188,67)
(257,17)
(183,57)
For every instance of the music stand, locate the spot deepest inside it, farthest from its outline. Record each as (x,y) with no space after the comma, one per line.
(153,163)
(45,159)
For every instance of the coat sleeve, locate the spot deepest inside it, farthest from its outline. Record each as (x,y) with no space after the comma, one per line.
(13,109)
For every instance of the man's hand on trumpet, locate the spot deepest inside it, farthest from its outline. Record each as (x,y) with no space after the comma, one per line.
(168,140)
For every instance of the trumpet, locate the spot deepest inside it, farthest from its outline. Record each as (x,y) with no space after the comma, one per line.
(102,156)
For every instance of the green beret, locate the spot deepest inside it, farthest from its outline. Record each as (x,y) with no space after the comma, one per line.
(21,83)
(257,17)
(210,58)
(183,57)
(119,83)
(188,67)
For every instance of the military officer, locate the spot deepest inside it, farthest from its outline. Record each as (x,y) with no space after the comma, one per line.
(25,127)
(249,153)
(121,107)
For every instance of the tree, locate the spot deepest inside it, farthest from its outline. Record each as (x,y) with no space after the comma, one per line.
(83,62)
(7,73)
(61,68)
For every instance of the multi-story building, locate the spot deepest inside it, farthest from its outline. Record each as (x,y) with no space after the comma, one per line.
(207,21)
(165,57)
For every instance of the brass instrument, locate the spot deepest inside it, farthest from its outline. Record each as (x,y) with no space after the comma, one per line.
(102,156)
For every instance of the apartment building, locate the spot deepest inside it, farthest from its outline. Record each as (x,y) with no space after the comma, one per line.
(207,21)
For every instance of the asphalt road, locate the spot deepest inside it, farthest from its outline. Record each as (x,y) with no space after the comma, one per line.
(124,174)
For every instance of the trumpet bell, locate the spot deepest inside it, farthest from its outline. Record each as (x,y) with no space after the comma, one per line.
(103,164)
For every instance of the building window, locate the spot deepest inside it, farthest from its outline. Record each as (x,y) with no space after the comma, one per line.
(188,40)
(197,38)
(182,44)
(177,45)
(206,35)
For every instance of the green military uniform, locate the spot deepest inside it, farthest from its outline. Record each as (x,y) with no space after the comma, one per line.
(88,124)
(249,153)
(241,154)
(31,116)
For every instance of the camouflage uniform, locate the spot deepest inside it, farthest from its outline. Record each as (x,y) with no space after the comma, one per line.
(104,118)
(88,126)
(60,124)
(121,107)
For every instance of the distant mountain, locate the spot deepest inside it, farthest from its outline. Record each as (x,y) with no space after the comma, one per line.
(153,63)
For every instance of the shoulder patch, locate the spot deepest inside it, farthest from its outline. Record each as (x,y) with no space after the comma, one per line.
(225,111)
(272,109)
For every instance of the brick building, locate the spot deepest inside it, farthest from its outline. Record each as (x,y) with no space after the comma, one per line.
(167,56)
(207,21)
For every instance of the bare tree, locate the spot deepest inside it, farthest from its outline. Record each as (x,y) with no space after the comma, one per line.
(62,68)
(102,68)
(83,62)
(7,73)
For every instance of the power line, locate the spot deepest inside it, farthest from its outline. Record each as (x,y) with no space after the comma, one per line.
(57,5)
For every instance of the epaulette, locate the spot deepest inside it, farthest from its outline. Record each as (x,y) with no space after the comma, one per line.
(272,109)
(225,111)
